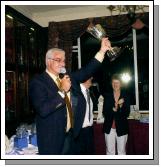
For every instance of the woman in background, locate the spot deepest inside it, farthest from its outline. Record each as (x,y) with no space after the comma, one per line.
(116,109)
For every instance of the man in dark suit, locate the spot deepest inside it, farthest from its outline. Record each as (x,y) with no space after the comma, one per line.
(48,94)
(83,143)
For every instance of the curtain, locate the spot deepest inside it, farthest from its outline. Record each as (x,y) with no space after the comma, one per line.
(62,34)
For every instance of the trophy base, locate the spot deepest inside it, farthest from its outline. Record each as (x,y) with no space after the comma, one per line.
(113,53)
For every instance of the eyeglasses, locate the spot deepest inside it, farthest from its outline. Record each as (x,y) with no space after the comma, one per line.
(57,60)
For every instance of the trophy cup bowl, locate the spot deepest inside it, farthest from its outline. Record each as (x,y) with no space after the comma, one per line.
(98,32)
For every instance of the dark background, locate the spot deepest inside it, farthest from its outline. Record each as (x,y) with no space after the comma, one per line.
(124,63)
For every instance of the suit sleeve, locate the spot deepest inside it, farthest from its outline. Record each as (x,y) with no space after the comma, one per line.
(87,71)
(41,101)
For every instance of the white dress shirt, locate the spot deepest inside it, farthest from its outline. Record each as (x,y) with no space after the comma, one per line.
(86,122)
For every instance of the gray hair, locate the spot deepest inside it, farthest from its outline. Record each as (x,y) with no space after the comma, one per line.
(51,51)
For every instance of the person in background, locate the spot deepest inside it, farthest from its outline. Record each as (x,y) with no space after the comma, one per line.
(84,143)
(116,109)
(55,100)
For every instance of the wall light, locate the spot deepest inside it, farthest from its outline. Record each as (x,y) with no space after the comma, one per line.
(10,17)
(32,29)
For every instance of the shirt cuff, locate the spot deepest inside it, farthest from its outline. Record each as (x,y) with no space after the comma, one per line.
(61,94)
(100,56)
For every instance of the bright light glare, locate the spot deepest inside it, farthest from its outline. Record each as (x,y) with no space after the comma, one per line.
(126,77)
(10,17)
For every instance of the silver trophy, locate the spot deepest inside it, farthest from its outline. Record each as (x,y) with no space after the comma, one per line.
(98,32)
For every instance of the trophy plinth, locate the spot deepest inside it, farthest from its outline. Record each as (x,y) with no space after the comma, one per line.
(98,32)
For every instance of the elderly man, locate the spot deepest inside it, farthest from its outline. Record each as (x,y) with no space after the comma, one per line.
(56,100)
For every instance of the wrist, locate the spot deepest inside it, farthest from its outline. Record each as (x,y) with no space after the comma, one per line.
(114,109)
(62,90)
(62,93)
(100,56)
(102,51)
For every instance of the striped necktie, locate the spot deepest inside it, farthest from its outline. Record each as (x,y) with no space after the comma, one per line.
(88,101)
(67,101)
(68,104)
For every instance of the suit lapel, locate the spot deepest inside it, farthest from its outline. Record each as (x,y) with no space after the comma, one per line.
(50,83)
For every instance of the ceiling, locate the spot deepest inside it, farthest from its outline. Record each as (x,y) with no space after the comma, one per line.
(43,14)
(42,8)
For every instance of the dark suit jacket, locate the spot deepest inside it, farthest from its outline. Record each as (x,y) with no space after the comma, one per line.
(51,113)
(120,116)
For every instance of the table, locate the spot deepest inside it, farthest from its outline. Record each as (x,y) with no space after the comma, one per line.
(138,140)
(29,150)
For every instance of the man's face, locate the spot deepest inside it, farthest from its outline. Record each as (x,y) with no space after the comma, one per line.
(56,62)
(116,85)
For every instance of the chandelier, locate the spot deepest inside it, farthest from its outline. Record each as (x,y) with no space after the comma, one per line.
(130,10)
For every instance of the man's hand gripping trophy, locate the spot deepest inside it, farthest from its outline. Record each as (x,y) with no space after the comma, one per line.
(99,33)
